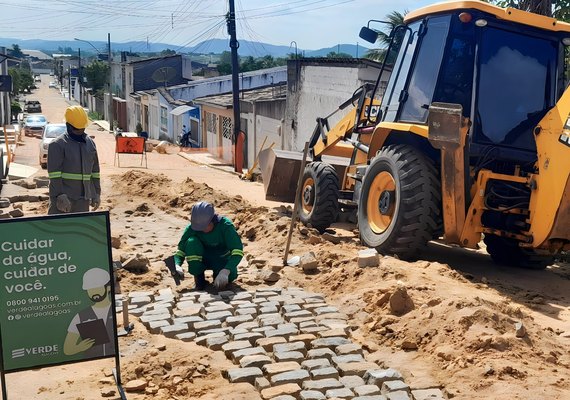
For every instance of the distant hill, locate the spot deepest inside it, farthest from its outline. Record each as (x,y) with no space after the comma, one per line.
(215,46)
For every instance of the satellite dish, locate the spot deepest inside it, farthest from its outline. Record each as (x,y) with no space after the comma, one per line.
(164,75)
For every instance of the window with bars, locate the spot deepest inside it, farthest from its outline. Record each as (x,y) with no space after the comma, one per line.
(163,119)
(227,128)
(211,122)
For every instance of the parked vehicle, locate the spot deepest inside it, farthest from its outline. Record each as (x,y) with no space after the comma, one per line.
(52,84)
(34,125)
(33,106)
(51,132)
(183,139)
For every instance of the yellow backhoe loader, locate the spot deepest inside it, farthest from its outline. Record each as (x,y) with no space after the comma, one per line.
(468,139)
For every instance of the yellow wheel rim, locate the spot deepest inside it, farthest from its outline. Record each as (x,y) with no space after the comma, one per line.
(381,204)
(308,195)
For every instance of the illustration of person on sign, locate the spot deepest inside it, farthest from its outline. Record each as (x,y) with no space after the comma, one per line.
(91,330)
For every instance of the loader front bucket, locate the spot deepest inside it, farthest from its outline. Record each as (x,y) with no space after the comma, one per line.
(280,172)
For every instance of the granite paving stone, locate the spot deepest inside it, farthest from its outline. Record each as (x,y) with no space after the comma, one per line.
(398,395)
(350,348)
(212,324)
(371,397)
(246,311)
(320,353)
(156,326)
(239,354)
(310,365)
(251,337)
(295,376)
(261,383)
(186,337)
(235,321)
(284,330)
(352,381)
(171,331)
(218,316)
(333,333)
(216,343)
(237,375)
(291,346)
(289,356)
(331,342)
(367,390)
(348,358)
(230,347)
(268,343)
(257,360)
(427,394)
(311,395)
(280,367)
(305,338)
(376,376)
(394,386)
(202,340)
(324,373)
(343,393)
(204,332)
(322,385)
(291,389)
(356,368)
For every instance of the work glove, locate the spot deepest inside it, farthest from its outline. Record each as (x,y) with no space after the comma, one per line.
(63,203)
(179,270)
(221,280)
(95,203)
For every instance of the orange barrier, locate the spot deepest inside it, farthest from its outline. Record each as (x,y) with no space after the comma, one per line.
(130,145)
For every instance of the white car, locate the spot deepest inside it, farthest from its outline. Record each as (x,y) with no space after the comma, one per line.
(51,132)
(52,84)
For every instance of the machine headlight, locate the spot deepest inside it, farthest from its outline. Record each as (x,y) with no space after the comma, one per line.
(45,146)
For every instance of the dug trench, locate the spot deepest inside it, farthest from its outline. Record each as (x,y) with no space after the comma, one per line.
(453,320)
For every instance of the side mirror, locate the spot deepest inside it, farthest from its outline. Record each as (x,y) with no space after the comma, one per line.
(368,34)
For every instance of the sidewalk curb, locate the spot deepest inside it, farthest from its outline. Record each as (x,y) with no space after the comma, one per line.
(209,165)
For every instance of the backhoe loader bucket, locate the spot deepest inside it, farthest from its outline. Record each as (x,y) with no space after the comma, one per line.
(280,172)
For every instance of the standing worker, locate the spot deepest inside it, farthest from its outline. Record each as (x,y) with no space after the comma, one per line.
(209,242)
(73,167)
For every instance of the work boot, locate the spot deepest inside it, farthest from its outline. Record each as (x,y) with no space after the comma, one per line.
(200,282)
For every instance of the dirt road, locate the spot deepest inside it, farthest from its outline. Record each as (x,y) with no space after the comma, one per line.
(458,332)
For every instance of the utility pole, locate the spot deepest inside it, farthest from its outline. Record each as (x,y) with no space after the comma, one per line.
(69,81)
(234,44)
(79,82)
(110,109)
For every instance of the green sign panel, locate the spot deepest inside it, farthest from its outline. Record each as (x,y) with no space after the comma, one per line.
(56,290)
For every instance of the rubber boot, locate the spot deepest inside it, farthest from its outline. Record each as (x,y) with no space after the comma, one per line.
(200,282)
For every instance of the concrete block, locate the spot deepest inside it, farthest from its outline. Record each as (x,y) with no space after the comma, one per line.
(280,367)
(291,389)
(289,356)
(296,376)
(238,375)
(376,376)
(356,368)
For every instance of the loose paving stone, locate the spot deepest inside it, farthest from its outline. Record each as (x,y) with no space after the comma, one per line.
(252,337)
(237,375)
(284,397)
(261,383)
(242,296)
(146,319)
(202,340)
(268,343)
(313,305)
(202,326)
(307,324)
(313,329)
(297,376)
(218,316)
(280,367)
(379,376)
(247,304)
(310,365)
(246,311)
(291,346)
(190,321)
(325,310)
(268,310)
(320,353)
(262,329)
(291,389)
(322,385)
(289,356)
(230,347)
(352,381)
(343,393)
(156,326)
(371,397)
(172,330)
(188,310)
(257,360)
(239,354)
(299,313)
(324,373)
(298,320)
(348,358)
(331,342)
(217,330)
(305,338)
(215,307)
(186,337)
(394,386)
(216,343)
(332,333)
(367,390)
(348,349)
(356,368)
(311,395)
(399,395)
(335,316)
(290,308)
(335,324)
(427,394)
(284,331)
(237,331)
(234,321)
(272,322)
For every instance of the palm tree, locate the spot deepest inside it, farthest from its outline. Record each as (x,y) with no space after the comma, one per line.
(394,18)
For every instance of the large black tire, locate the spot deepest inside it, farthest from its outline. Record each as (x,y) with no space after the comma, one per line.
(506,251)
(399,209)
(318,206)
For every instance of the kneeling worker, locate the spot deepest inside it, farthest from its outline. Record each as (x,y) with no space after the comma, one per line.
(209,242)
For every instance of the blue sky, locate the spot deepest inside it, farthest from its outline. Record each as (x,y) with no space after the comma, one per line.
(312,24)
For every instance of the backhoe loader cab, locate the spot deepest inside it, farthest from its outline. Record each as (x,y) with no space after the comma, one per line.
(467,139)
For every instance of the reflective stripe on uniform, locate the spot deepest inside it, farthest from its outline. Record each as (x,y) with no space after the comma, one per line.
(76,177)
(55,174)
(96,175)
(180,253)
(237,252)
(194,258)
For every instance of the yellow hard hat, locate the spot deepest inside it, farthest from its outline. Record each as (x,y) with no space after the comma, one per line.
(76,117)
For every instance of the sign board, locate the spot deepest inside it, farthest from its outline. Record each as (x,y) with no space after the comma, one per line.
(130,145)
(56,291)
(5,83)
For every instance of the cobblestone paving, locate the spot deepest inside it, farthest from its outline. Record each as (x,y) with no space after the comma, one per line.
(288,343)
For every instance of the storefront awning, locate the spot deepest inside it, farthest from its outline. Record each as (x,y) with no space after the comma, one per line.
(181,110)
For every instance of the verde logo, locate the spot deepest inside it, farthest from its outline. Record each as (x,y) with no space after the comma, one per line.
(36,351)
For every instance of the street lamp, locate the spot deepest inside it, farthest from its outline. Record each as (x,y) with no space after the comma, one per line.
(109,82)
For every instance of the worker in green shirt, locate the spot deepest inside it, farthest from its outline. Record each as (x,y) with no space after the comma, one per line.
(210,242)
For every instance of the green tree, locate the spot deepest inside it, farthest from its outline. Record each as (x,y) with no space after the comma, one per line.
(167,52)
(96,73)
(16,51)
(394,18)
(334,54)
(21,78)
(225,65)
